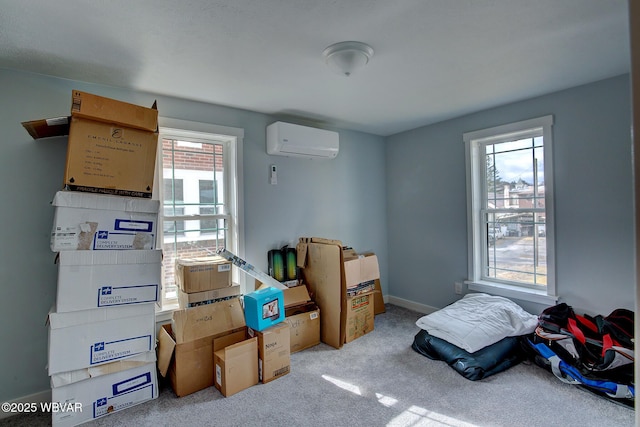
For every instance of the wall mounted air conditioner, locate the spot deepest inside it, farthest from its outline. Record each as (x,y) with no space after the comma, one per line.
(287,139)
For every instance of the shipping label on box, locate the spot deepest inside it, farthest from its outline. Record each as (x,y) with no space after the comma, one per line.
(203,273)
(84,221)
(93,279)
(81,339)
(99,396)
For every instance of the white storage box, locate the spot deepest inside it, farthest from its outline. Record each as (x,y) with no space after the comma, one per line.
(80,339)
(69,377)
(96,397)
(87,221)
(93,279)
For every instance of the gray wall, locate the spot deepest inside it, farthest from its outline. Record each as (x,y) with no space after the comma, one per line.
(341,199)
(593,199)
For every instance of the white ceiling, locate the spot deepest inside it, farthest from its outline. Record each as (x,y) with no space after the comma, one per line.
(434,59)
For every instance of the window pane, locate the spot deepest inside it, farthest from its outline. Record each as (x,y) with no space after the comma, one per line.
(515,241)
(193,176)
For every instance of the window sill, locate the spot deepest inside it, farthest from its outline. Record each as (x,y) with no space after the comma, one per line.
(165,314)
(510,291)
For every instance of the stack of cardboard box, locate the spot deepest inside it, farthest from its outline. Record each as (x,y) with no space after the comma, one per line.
(204,280)
(102,328)
(344,284)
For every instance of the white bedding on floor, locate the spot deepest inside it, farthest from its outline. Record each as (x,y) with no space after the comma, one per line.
(478,320)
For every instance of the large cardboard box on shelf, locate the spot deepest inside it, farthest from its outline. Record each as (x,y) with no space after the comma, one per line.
(274,352)
(203,273)
(236,366)
(302,315)
(185,346)
(94,279)
(84,221)
(111,146)
(98,396)
(322,263)
(81,339)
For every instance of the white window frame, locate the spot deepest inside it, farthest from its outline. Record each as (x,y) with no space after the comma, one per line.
(475,171)
(232,138)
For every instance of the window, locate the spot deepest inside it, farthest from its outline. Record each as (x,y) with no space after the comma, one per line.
(199,167)
(510,210)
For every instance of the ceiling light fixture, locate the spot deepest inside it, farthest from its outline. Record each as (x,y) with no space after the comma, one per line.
(347,57)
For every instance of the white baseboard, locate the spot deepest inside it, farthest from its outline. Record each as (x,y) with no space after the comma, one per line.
(38,398)
(401,302)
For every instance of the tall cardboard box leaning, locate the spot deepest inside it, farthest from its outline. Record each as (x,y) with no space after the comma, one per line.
(328,273)
(111,147)
(185,346)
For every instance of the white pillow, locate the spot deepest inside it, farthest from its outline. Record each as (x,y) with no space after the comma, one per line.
(478,320)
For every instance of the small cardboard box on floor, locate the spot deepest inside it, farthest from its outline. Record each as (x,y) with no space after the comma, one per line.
(302,315)
(325,270)
(185,346)
(203,274)
(235,359)
(111,147)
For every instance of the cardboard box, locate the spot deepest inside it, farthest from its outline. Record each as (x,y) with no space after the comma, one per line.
(360,316)
(80,339)
(264,307)
(110,158)
(322,263)
(274,352)
(190,324)
(84,221)
(189,362)
(360,268)
(303,317)
(111,146)
(82,401)
(69,377)
(107,110)
(378,299)
(203,274)
(93,279)
(236,367)
(195,299)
